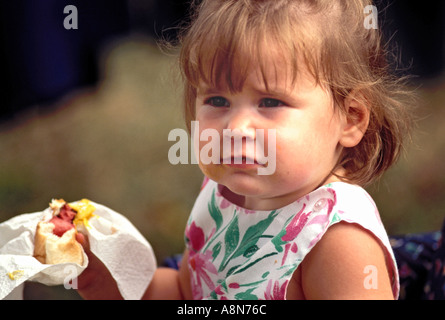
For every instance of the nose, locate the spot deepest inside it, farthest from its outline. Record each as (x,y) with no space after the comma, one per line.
(239,135)
(240,124)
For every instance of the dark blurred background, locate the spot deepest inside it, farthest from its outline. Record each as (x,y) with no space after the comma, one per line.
(86,113)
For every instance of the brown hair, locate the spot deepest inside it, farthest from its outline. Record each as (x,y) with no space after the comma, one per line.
(329,38)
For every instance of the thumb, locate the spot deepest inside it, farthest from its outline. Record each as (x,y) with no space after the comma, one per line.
(80,238)
(83,240)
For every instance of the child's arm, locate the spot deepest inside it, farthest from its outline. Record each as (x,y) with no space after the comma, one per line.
(96,282)
(347,263)
(170,284)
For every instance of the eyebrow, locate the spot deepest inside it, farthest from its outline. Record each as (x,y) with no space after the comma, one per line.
(208,90)
(272,92)
(204,90)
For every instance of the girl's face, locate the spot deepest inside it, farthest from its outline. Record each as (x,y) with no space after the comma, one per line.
(308,130)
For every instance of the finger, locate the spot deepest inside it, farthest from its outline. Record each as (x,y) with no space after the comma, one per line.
(80,238)
(83,240)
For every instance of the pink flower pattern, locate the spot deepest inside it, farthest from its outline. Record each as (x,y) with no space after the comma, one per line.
(275,290)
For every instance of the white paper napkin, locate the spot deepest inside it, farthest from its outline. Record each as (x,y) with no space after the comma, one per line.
(113,239)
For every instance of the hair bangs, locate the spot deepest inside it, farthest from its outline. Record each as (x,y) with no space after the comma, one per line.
(227,48)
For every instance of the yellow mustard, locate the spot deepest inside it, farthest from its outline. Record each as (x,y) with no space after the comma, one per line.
(14,275)
(84,210)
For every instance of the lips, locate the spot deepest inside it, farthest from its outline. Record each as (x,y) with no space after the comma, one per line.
(240,162)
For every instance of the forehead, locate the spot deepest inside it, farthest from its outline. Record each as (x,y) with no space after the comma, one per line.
(272,71)
(266,66)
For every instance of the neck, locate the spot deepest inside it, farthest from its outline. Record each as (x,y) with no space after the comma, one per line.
(276,202)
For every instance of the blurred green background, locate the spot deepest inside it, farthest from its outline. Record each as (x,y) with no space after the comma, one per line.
(108,142)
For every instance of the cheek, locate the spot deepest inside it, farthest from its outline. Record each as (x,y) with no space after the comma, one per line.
(298,153)
(212,171)
(209,145)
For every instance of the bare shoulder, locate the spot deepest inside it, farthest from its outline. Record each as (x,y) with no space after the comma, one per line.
(338,266)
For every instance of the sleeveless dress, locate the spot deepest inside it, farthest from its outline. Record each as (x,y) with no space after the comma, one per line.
(237,254)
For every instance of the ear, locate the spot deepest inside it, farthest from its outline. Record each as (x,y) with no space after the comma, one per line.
(356,120)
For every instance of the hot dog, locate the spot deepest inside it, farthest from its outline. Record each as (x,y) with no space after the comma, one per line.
(55,240)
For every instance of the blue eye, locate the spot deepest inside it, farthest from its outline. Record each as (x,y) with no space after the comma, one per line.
(217,102)
(271,103)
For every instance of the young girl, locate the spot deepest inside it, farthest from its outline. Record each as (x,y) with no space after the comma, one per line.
(314,74)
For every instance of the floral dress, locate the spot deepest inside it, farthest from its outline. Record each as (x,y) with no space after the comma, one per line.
(235,253)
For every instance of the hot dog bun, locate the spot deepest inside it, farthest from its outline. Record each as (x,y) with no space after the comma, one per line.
(52,249)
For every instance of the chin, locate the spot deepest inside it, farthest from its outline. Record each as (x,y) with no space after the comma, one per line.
(243,185)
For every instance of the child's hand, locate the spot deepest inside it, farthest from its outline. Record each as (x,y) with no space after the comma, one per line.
(95,282)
